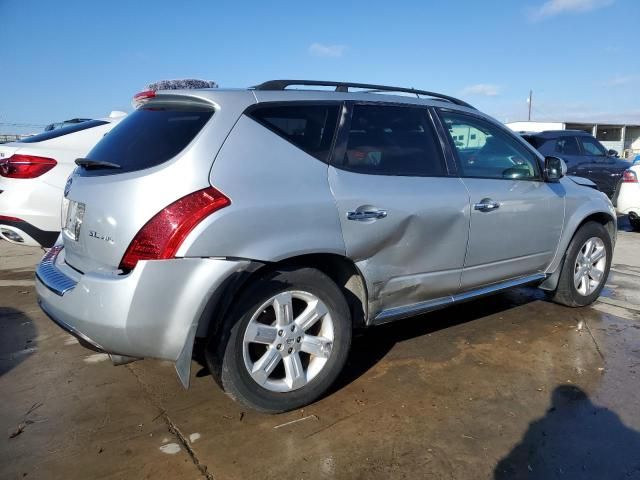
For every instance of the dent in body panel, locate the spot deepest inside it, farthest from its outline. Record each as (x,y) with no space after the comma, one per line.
(281,204)
(417,251)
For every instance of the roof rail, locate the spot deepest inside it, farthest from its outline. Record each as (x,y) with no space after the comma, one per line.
(344,87)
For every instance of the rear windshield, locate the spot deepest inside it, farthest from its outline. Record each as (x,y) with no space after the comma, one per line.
(148,137)
(59,132)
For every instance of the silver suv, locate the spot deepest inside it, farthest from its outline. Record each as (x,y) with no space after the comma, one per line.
(272,221)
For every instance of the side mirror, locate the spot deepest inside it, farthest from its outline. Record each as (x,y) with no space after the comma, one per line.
(613,153)
(554,169)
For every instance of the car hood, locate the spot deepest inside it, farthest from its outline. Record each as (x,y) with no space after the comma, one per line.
(585,182)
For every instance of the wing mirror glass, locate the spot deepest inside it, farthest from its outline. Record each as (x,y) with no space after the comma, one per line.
(613,153)
(554,169)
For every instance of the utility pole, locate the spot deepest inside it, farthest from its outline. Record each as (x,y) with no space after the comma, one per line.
(529,102)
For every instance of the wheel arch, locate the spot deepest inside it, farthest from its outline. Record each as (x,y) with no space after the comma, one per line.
(340,269)
(604,218)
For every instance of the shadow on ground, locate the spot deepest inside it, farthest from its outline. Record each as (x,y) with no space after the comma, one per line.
(574,440)
(371,345)
(17,338)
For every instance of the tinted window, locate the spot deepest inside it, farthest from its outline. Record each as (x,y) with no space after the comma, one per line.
(389,140)
(567,146)
(592,147)
(148,137)
(308,127)
(535,142)
(59,132)
(493,153)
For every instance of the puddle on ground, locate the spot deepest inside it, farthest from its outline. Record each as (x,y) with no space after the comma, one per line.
(96,358)
(170,448)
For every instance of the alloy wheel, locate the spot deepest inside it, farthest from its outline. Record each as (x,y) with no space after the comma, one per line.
(288,341)
(588,272)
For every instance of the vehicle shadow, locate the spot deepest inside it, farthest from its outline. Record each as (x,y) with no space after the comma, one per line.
(17,338)
(574,440)
(369,346)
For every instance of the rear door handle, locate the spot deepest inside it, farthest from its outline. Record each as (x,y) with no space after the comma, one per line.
(366,214)
(486,205)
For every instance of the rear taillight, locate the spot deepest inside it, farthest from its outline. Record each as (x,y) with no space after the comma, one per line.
(629,177)
(141,97)
(25,166)
(4,218)
(161,236)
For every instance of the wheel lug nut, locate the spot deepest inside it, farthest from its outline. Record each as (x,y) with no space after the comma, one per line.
(279,346)
(293,328)
(298,339)
(280,333)
(290,350)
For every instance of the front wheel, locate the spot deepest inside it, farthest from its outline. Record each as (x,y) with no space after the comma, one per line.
(287,340)
(586,266)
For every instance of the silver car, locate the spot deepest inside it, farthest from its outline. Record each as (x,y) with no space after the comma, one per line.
(272,221)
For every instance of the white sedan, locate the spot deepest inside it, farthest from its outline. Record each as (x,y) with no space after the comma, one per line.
(33,173)
(628,201)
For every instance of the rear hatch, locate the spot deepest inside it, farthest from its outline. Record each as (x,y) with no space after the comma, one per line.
(148,161)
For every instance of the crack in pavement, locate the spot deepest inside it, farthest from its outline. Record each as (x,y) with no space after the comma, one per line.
(595,342)
(172,427)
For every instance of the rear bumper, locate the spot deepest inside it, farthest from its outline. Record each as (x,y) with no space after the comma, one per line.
(628,199)
(151,312)
(36,204)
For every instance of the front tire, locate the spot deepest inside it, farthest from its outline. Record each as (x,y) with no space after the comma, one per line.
(285,342)
(635,224)
(586,266)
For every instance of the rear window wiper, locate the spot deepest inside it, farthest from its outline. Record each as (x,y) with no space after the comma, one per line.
(89,164)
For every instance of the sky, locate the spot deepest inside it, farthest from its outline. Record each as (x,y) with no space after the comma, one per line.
(66,59)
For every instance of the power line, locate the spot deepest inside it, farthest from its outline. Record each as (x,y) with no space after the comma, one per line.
(9,124)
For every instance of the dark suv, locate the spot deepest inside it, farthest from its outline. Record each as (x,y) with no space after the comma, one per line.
(584,155)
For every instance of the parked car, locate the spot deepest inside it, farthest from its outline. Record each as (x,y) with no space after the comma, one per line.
(628,196)
(33,172)
(270,222)
(584,155)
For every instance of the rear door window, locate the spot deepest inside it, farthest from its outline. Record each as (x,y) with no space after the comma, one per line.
(308,127)
(62,131)
(148,137)
(567,146)
(392,140)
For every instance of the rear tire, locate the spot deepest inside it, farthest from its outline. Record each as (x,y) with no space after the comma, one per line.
(285,341)
(586,266)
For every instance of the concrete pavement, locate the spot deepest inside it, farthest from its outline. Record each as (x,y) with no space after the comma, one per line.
(507,387)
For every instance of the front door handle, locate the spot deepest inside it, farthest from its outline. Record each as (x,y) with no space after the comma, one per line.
(366,214)
(486,205)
